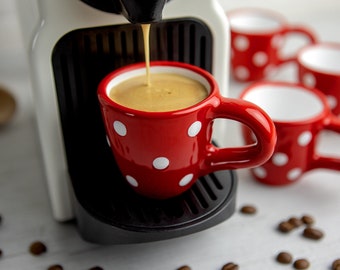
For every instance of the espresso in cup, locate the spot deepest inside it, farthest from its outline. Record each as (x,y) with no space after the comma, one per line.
(164,92)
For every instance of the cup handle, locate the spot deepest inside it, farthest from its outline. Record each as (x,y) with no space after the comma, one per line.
(246,156)
(331,123)
(299,30)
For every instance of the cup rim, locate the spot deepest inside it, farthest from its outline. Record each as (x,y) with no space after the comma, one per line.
(317,93)
(309,47)
(103,97)
(268,13)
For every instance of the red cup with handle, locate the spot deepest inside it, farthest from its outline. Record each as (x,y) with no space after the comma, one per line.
(300,114)
(162,153)
(257,42)
(319,67)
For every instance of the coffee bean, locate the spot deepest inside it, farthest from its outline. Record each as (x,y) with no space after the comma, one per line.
(55,267)
(96,268)
(312,233)
(296,222)
(230,266)
(336,265)
(307,219)
(184,267)
(285,227)
(284,257)
(248,209)
(1,253)
(301,264)
(37,248)
(0,218)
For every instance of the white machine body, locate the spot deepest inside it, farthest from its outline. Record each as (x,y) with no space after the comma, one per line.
(44,22)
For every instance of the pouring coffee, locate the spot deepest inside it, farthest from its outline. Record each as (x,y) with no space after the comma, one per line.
(136,12)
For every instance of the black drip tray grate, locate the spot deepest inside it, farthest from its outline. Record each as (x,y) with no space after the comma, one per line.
(116,214)
(146,214)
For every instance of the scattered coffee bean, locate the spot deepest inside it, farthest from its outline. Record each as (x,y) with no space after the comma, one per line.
(248,209)
(230,266)
(308,220)
(184,267)
(37,248)
(55,267)
(1,253)
(0,218)
(284,257)
(312,233)
(296,222)
(301,264)
(96,268)
(285,227)
(336,265)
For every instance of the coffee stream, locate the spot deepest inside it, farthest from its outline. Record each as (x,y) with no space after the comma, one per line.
(146,37)
(157,92)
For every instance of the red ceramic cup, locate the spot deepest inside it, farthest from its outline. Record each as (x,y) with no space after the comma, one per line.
(299,115)
(319,67)
(257,42)
(161,154)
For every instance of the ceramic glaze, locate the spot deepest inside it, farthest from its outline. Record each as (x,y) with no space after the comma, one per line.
(319,67)
(162,154)
(258,37)
(297,130)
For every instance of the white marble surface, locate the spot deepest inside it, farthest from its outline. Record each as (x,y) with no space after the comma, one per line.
(250,241)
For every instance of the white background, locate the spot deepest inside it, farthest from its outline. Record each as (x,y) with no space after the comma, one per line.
(250,241)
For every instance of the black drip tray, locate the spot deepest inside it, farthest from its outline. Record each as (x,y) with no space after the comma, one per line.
(113,213)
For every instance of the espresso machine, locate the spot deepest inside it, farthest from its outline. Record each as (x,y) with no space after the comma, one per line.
(71,45)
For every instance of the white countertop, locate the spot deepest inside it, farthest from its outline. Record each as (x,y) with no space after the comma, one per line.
(250,241)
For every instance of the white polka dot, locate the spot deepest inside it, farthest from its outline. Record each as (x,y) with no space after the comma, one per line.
(277,41)
(186,180)
(332,101)
(280,159)
(294,174)
(305,138)
(160,163)
(108,141)
(132,181)
(309,80)
(241,43)
(260,59)
(242,73)
(260,172)
(194,129)
(120,128)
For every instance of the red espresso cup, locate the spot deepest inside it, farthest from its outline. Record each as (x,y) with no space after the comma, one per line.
(319,67)
(299,115)
(257,42)
(161,154)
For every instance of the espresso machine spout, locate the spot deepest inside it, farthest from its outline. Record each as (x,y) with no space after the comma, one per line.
(146,11)
(135,11)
